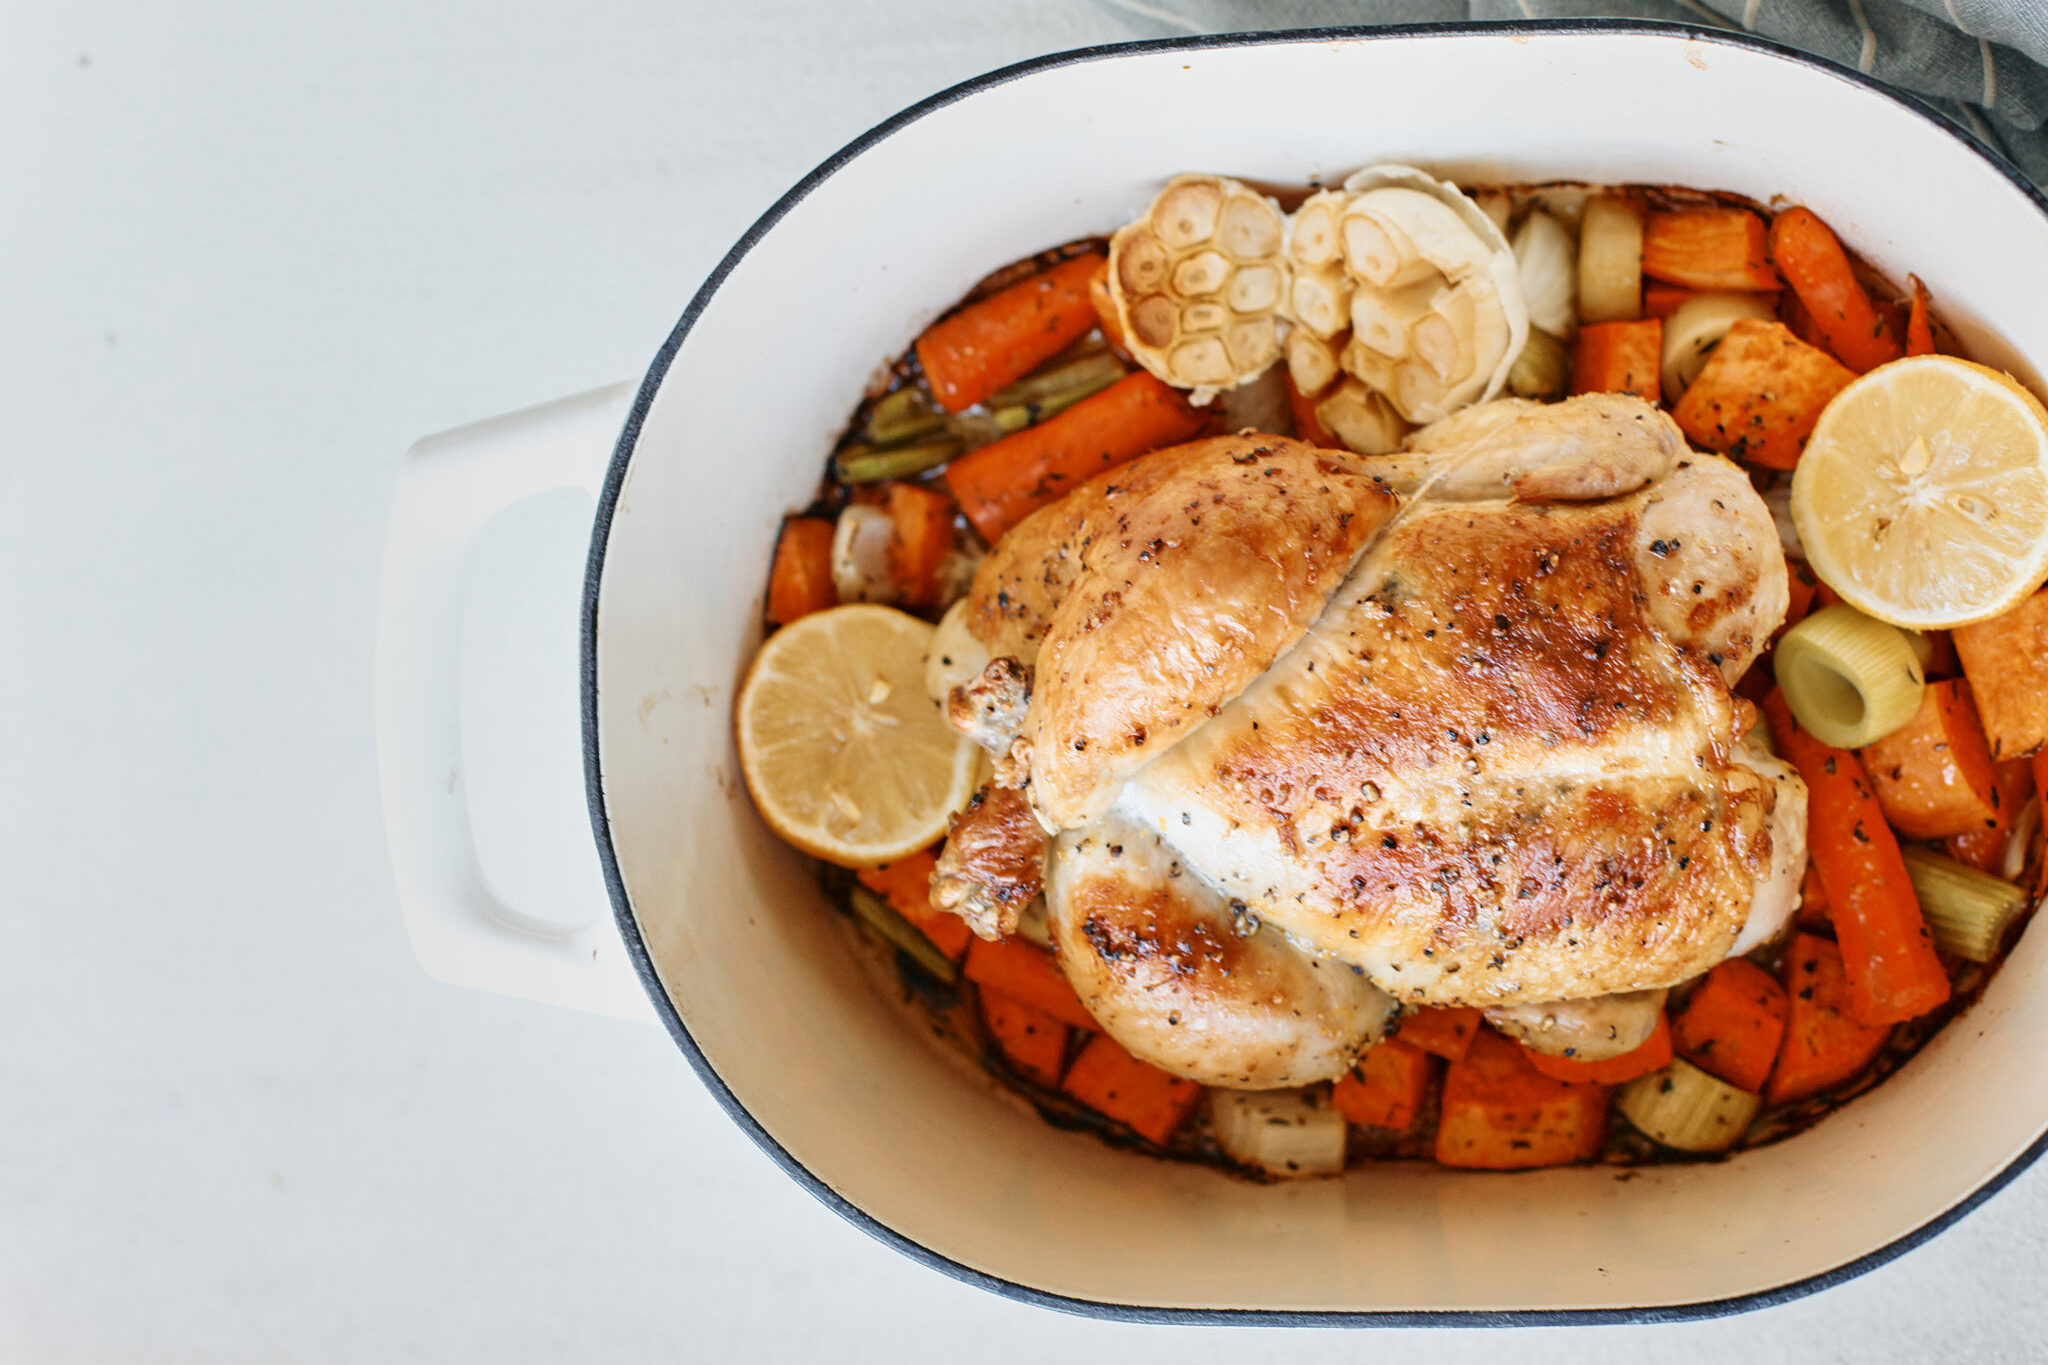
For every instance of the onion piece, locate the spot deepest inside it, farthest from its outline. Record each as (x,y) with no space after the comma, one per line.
(1279,1132)
(1696,327)
(860,555)
(1546,258)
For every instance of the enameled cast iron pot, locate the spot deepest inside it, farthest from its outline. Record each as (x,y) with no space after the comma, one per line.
(751,971)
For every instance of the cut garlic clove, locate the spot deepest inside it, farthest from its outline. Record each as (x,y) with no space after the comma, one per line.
(1395,236)
(1200,282)
(1185,214)
(1362,419)
(1254,289)
(1203,273)
(1383,319)
(1437,310)
(1311,364)
(1315,242)
(1322,298)
(1251,229)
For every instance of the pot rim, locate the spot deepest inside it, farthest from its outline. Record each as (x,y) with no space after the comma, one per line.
(593,763)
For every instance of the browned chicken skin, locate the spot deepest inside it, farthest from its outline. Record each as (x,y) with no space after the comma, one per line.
(1482,749)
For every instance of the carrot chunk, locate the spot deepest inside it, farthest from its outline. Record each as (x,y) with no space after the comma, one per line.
(1759,394)
(1653,1052)
(1919,326)
(1031,1040)
(1723,248)
(1984,848)
(1793,314)
(906,885)
(1733,1023)
(1886,947)
(2006,661)
(1026,972)
(1825,1044)
(922,519)
(1819,272)
(1502,1114)
(1148,1101)
(1386,1088)
(1001,484)
(1620,357)
(1933,775)
(1801,584)
(1813,910)
(1445,1030)
(969,354)
(801,580)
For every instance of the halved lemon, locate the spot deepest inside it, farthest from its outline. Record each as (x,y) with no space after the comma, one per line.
(1922,496)
(846,755)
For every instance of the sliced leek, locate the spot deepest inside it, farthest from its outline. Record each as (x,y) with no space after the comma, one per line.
(1696,327)
(1969,911)
(1544,368)
(1279,1132)
(1849,679)
(901,934)
(1683,1107)
(1546,259)
(1923,648)
(1611,260)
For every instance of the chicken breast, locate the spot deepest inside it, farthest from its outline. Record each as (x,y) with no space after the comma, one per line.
(1498,763)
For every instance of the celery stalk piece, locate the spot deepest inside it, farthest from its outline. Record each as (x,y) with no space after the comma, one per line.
(1850,679)
(1683,1107)
(864,464)
(902,934)
(1968,911)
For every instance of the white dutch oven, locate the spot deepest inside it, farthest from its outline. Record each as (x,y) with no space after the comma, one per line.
(751,970)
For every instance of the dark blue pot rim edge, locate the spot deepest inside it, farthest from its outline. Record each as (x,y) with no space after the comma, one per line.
(629,928)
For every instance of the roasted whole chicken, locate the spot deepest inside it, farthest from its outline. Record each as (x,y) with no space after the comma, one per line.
(1293,737)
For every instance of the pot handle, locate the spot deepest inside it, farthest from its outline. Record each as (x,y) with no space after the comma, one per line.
(451,488)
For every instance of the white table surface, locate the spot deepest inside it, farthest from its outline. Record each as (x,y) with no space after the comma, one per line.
(251,251)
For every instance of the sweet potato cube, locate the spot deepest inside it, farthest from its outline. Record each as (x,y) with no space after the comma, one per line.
(1032,1041)
(1759,394)
(906,885)
(1934,776)
(1023,971)
(2006,661)
(1385,1089)
(1732,1024)
(1709,248)
(1445,1030)
(1824,1043)
(1502,1114)
(1620,357)
(1148,1101)
(801,580)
